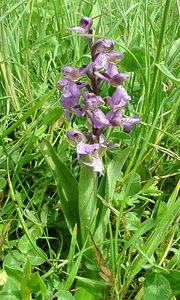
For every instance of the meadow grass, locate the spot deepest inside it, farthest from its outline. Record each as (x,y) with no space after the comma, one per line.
(42,256)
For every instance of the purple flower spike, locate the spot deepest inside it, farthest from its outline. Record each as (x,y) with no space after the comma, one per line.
(129,122)
(75,136)
(85,26)
(119,98)
(98,119)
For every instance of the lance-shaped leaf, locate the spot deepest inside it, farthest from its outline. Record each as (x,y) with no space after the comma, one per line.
(66,184)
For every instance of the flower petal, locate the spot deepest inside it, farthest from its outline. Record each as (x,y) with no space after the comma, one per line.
(129,122)
(98,119)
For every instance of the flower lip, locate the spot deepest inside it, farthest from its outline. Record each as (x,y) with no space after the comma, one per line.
(98,119)
(129,122)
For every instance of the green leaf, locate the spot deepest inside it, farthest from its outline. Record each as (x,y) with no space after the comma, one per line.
(26,281)
(87,200)
(134,59)
(166,72)
(37,284)
(174,54)
(114,171)
(52,114)
(64,295)
(11,290)
(156,287)
(135,184)
(66,183)
(174,279)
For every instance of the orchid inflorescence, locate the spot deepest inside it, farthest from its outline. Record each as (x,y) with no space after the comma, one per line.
(82,99)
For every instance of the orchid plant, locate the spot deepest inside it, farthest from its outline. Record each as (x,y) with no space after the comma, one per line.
(82,98)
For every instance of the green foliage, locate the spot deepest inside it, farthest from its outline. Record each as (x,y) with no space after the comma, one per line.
(156,287)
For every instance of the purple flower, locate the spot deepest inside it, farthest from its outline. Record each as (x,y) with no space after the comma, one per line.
(98,118)
(62,83)
(74,73)
(115,118)
(92,101)
(119,98)
(116,80)
(129,122)
(102,45)
(112,70)
(70,96)
(96,164)
(101,61)
(90,155)
(75,136)
(85,26)
(83,148)
(115,56)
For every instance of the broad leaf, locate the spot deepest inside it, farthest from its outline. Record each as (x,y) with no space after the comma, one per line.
(66,184)
(156,287)
(87,200)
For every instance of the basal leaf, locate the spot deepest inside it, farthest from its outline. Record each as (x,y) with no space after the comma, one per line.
(66,184)
(87,200)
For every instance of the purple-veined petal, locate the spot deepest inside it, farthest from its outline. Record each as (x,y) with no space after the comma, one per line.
(96,164)
(112,70)
(70,96)
(101,61)
(98,119)
(62,83)
(77,29)
(129,122)
(84,148)
(86,23)
(102,45)
(119,98)
(92,101)
(116,118)
(115,56)
(118,79)
(70,72)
